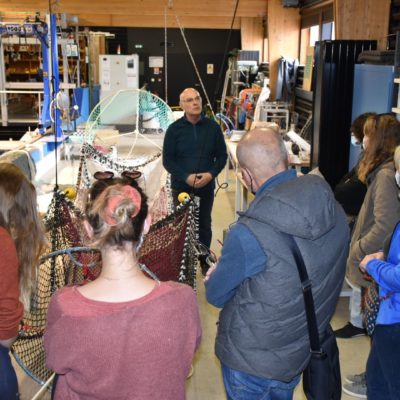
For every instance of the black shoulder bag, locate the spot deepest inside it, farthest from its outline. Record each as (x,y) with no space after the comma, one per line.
(321,378)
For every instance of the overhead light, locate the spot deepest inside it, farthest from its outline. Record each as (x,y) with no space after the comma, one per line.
(138,46)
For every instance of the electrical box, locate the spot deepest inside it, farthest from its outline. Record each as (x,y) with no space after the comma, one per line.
(118,72)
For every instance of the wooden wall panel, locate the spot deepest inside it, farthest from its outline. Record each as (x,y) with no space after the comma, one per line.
(148,13)
(204,8)
(252,34)
(156,21)
(362,19)
(283,37)
(97,45)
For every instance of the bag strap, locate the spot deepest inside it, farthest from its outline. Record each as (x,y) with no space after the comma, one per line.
(306,285)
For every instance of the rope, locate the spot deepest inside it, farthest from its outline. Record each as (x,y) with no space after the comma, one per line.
(225,52)
(43,389)
(194,65)
(165,55)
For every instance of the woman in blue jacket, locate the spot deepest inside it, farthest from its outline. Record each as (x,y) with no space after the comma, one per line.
(383,366)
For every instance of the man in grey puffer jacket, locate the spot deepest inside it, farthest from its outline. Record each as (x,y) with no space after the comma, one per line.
(262,339)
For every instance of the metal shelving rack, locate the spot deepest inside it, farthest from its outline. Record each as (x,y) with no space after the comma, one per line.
(277,112)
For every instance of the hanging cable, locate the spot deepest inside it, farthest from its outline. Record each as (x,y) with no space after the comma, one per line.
(165,55)
(205,94)
(194,65)
(223,185)
(225,54)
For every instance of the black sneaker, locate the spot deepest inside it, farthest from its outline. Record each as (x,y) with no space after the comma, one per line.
(204,266)
(206,261)
(349,331)
(204,269)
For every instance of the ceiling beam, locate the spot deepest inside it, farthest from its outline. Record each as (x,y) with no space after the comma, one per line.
(149,13)
(156,21)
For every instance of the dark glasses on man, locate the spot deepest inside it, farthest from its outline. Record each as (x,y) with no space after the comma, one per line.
(105,175)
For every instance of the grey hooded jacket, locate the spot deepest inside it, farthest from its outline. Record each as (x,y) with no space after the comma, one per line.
(378,217)
(263,330)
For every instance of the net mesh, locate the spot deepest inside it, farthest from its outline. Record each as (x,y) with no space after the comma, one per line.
(168,251)
(130,112)
(153,180)
(65,231)
(127,120)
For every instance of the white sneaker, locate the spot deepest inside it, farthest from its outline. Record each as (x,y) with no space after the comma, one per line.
(358,390)
(356,378)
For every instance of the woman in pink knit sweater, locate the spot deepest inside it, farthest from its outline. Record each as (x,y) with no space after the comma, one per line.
(22,242)
(124,335)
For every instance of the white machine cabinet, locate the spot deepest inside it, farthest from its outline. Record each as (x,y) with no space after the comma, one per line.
(118,72)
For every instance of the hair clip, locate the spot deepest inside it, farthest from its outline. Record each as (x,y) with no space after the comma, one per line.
(126,192)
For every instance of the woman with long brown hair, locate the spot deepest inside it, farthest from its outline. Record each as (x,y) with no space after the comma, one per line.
(123,335)
(22,241)
(379,213)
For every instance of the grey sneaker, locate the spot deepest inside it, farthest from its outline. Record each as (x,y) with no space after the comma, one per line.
(358,390)
(356,378)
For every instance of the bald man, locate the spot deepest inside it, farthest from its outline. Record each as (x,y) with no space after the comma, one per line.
(262,340)
(194,153)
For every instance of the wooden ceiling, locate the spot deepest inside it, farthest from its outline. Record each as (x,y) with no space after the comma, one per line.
(215,14)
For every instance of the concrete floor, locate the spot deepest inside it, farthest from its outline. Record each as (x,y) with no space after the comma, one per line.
(206,382)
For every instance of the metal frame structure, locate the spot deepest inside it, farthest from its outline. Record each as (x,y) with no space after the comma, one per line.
(46,34)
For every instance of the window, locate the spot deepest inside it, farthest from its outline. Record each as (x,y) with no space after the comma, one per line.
(316,24)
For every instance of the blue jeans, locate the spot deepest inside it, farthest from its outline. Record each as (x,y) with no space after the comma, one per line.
(243,386)
(8,378)
(383,365)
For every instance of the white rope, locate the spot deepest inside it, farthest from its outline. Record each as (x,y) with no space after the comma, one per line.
(134,141)
(165,55)
(194,65)
(39,394)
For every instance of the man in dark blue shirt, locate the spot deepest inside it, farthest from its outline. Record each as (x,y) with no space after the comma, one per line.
(194,153)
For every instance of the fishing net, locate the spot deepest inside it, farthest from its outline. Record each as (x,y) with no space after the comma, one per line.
(149,163)
(125,132)
(65,231)
(168,251)
(121,117)
(131,121)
